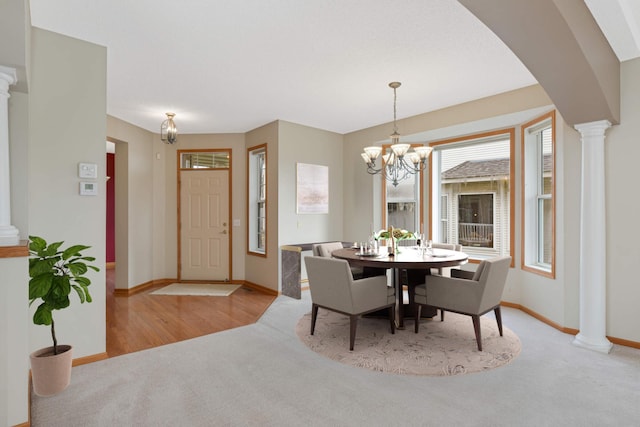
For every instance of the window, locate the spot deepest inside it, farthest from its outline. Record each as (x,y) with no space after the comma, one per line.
(218,159)
(471,197)
(538,205)
(444,219)
(403,203)
(257,199)
(475,220)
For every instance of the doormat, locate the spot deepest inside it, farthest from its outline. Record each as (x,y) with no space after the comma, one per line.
(201,289)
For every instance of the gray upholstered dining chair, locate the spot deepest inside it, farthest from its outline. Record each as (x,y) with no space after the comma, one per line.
(325,249)
(415,277)
(333,288)
(466,292)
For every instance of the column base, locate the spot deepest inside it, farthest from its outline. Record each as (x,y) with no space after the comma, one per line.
(602,345)
(9,236)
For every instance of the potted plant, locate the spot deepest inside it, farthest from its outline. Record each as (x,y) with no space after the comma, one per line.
(53,273)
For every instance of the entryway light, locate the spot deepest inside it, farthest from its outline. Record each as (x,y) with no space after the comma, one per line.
(168,130)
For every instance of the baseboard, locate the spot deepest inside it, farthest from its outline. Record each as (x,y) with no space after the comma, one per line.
(260,288)
(89,359)
(164,282)
(142,287)
(570,331)
(626,343)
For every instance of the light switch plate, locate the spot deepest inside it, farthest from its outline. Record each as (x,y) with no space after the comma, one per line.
(87,170)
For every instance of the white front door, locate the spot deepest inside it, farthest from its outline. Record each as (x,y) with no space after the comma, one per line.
(204,225)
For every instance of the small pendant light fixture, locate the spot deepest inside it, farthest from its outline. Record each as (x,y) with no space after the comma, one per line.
(168,130)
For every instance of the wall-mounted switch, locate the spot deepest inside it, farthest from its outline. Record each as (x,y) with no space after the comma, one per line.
(87,170)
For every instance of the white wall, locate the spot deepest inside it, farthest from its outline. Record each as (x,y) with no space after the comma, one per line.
(67,125)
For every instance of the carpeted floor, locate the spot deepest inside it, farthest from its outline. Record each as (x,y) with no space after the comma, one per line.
(263,375)
(198,289)
(439,348)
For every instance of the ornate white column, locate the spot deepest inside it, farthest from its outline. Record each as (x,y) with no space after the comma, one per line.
(9,235)
(593,250)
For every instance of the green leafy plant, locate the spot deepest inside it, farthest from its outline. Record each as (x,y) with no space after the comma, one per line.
(398,234)
(54,272)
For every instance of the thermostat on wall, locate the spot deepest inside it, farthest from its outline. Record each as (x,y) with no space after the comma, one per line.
(88,188)
(87,170)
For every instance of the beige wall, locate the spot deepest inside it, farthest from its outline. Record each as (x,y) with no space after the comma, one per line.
(136,233)
(14,334)
(18,151)
(302,144)
(67,125)
(622,150)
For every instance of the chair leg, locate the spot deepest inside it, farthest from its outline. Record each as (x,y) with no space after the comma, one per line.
(498,318)
(314,315)
(417,320)
(441,315)
(476,327)
(392,318)
(352,333)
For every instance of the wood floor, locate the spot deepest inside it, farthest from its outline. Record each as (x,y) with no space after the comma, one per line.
(143,321)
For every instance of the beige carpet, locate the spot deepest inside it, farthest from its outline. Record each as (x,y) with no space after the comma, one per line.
(440,348)
(203,289)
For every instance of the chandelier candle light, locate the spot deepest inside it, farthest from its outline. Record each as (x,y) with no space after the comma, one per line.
(400,163)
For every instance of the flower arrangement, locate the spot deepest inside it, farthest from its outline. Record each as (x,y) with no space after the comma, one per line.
(397,233)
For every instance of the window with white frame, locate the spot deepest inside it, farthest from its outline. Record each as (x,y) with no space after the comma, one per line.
(257,199)
(471,197)
(538,204)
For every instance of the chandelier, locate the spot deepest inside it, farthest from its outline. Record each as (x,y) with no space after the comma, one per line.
(400,163)
(168,130)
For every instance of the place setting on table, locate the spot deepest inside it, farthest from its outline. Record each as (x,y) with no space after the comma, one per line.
(403,244)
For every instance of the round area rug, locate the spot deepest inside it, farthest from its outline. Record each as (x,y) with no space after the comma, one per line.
(439,349)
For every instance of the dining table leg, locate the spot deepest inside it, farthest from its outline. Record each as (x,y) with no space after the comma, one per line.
(399,299)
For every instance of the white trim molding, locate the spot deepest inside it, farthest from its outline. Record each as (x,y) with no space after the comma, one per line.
(593,250)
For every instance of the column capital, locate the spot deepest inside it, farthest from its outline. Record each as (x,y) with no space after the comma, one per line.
(593,129)
(7,78)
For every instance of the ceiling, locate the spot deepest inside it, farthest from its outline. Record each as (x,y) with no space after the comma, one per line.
(232,66)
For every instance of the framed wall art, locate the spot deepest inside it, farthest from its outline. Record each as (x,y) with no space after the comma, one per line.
(312,189)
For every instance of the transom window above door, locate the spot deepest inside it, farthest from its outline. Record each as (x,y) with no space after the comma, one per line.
(204,160)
